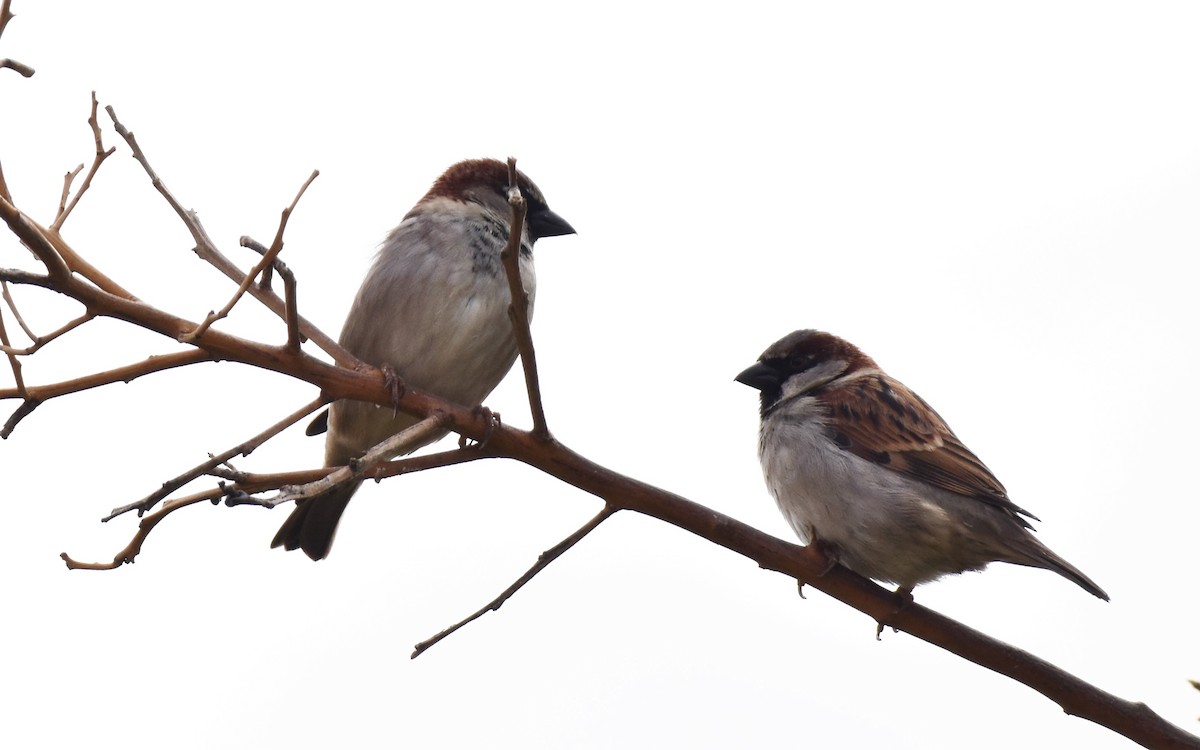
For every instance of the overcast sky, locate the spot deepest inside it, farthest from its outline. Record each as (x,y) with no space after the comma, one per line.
(998,204)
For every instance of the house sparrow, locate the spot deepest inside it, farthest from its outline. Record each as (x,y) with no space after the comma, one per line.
(434,308)
(862,467)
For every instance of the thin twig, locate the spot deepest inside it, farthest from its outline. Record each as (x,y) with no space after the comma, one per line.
(437,460)
(543,560)
(37,239)
(6,15)
(20,67)
(15,364)
(291,307)
(243,449)
(40,341)
(207,250)
(13,306)
(518,308)
(4,186)
(263,263)
(68,178)
(246,482)
(24,410)
(155,363)
(406,440)
(101,155)
(146,525)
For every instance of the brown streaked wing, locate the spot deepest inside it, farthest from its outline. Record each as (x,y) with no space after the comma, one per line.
(879,419)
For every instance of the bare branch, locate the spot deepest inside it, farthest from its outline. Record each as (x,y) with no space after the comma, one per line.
(146,525)
(291,306)
(13,362)
(101,155)
(245,485)
(207,250)
(263,263)
(24,410)
(518,309)
(35,238)
(68,178)
(543,560)
(13,306)
(20,67)
(40,341)
(403,441)
(6,15)
(251,482)
(437,460)
(155,363)
(242,449)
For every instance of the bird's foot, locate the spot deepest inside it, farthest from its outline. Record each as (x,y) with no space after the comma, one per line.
(827,553)
(905,595)
(825,557)
(395,387)
(491,417)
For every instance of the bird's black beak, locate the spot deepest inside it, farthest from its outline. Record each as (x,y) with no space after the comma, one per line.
(546,223)
(760,376)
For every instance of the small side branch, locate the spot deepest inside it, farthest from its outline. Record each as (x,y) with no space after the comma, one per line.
(518,309)
(101,154)
(263,263)
(242,449)
(13,306)
(40,341)
(146,525)
(6,347)
(37,240)
(24,410)
(6,15)
(156,363)
(247,482)
(543,561)
(405,440)
(207,250)
(20,67)
(291,314)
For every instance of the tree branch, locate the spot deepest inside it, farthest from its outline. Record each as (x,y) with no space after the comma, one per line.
(266,261)
(6,15)
(154,363)
(539,450)
(207,250)
(543,560)
(101,154)
(244,448)
(518,308)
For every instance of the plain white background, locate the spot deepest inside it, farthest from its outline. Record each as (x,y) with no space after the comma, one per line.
(998,203)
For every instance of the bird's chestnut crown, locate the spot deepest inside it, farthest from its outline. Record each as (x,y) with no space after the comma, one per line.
(485,181)
(796,354)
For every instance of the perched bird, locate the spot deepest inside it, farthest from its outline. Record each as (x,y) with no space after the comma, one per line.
(434,308)
(862,467)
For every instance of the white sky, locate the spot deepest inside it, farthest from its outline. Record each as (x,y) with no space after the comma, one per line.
(999,205)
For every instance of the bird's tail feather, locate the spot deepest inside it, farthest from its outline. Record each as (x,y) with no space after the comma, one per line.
(313,523)
(1038,555)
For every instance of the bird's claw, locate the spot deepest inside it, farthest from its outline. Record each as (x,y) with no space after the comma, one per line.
(395,387)
(493,419)
(905,594)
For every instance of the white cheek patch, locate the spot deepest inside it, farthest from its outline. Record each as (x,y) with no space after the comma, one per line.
(814,377)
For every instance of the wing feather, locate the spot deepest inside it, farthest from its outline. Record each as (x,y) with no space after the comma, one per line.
(881,420)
